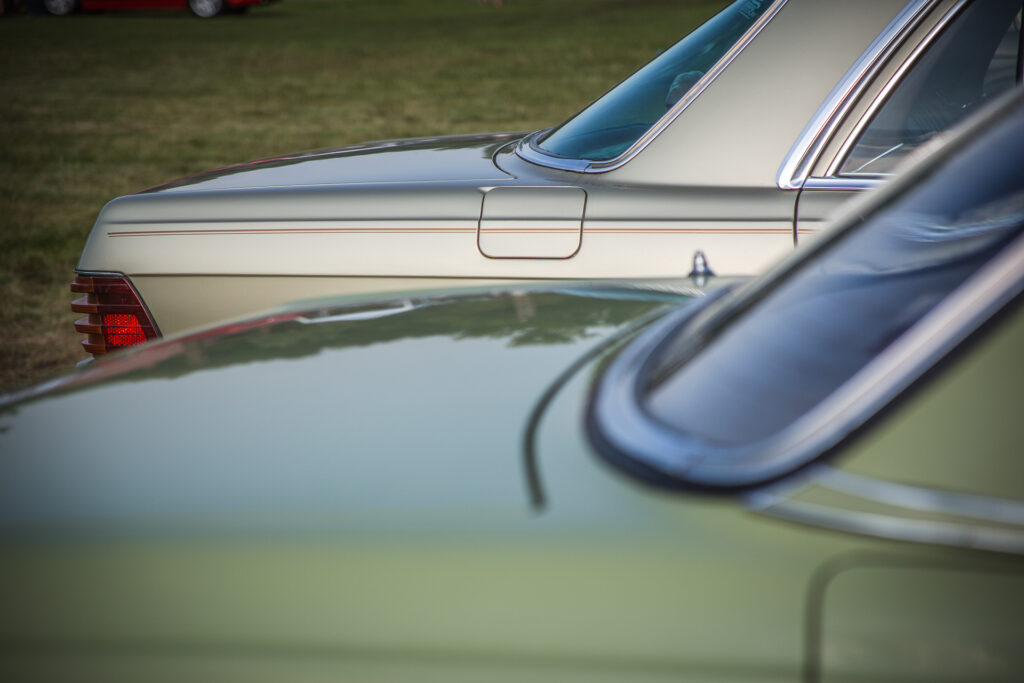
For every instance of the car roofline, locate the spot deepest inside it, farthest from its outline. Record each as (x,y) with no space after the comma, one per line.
(528,150)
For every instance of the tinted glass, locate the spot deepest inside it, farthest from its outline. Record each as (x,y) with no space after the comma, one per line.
(975,59)
(836,312)
(608,127)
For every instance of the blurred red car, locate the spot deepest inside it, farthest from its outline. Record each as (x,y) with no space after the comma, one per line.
(200,8)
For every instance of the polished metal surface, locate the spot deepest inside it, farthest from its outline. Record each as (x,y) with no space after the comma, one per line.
(842,183)
(900,528)
(917,498)
(796,167)
(883,95)
(892,510)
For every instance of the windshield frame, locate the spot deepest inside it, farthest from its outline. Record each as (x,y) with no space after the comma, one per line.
(628,435)
(529,150)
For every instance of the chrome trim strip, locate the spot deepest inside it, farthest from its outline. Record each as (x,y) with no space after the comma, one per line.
(897,78)
(900,529)
(843,183)
(796,166)
(922,499)
(529,152)
(892,494)
(526,151)
(100,273)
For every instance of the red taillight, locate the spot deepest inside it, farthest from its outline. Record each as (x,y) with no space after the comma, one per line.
(123,329)
(116,317)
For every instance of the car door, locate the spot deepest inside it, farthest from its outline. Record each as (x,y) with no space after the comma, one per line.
(942,470)
(902,93)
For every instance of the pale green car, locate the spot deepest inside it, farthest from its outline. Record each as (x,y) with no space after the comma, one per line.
(738,141)
(814,476)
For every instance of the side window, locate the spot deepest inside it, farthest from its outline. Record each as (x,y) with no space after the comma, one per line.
(975,59)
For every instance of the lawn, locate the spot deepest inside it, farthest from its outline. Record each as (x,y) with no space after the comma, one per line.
(100,105)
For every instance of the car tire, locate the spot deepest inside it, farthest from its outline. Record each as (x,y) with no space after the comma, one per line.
(60,8)
(206,9)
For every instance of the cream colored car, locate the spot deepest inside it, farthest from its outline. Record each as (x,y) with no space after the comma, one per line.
(737,141)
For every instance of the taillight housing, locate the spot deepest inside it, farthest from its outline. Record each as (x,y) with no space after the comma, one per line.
(116,316)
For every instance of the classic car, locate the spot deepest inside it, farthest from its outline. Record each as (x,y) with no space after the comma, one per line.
(204,9)
(737,141)
(812,476)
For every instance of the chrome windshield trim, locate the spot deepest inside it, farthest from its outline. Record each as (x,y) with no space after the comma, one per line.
(883,95)
(529,151)
(797,164)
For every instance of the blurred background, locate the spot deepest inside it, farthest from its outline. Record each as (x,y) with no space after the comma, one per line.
(97,105)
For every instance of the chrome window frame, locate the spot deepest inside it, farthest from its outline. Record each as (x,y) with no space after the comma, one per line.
(794,172)
(883,95)
(528,150)
(842,182)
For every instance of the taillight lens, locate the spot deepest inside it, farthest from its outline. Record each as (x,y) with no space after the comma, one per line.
(116,317)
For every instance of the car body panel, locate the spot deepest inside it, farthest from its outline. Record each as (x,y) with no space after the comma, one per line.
(823,598)
(424,160)
(187,302)
(277,526)
(929,436)
(531,222)
(708,181)
(545,329)
(432,229)
(414,488)
(742,126)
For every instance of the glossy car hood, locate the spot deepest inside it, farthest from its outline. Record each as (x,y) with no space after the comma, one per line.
(459,157)
(336,418)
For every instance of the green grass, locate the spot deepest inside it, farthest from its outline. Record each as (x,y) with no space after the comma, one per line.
(96,106)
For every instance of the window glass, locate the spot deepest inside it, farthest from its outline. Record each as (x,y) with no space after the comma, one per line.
(827,319)
(609,126)
(975,59)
